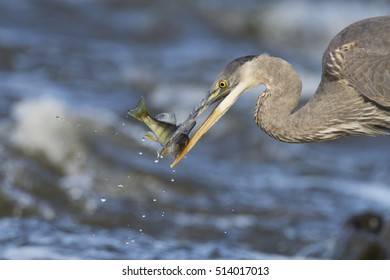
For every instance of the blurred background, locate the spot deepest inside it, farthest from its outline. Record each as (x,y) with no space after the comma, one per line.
(77,181)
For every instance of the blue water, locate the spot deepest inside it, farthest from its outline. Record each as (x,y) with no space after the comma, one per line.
(78,182)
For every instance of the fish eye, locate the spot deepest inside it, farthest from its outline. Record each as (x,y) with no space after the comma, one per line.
(222,84)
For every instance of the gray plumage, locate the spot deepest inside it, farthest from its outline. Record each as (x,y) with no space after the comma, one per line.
(353,97)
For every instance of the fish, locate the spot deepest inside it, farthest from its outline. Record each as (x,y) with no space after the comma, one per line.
(163,126)
(189,122)
(202,106)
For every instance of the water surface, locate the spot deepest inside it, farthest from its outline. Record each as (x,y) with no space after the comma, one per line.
(78,182)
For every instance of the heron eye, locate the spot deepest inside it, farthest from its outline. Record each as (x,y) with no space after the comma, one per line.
(222,84)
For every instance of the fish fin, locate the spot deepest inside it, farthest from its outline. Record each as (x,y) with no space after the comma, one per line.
(150,136)
(167,118)
(162,152)
(189,128)
(139,112)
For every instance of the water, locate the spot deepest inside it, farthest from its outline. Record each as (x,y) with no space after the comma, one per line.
(77,181)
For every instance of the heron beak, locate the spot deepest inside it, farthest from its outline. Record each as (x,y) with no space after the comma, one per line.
(229,98)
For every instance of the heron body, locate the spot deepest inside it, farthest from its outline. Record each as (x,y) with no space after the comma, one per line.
(353,97)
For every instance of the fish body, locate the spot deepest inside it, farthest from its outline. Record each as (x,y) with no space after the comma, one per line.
(188,124)
(163,126)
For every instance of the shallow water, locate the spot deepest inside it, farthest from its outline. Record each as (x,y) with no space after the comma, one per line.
(78,182)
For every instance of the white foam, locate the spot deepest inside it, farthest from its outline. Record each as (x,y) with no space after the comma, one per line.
(49,127)
(42,127)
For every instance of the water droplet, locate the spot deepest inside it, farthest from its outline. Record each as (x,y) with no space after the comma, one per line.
(78,125)
(132,241)
(143,139)
(173,170)
(140,153)
(96,131)
(154,199)
(57,117)
(172,180)
(120,186)
(143,216)
(156,160)
(123,124)
(162,214)
(128,177)
(127,242)
(103,199)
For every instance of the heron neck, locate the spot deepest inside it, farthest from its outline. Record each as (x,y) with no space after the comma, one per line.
(275,111)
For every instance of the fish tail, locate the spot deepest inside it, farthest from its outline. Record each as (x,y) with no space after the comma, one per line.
(139,112)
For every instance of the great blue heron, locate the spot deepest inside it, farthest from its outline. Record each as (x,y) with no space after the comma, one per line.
(353,97)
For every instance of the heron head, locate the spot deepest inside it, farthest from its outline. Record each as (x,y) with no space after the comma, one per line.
(232,76)
(227,87)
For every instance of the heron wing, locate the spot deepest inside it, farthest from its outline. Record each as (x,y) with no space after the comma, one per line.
(360,55)
(370,76)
